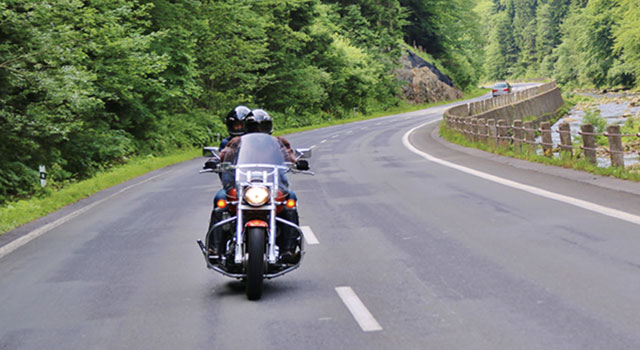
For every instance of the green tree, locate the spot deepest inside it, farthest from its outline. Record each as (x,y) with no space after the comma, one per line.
(627,38)
(566,54)
(524,24)
(502,52)
(545,35)
(595,41)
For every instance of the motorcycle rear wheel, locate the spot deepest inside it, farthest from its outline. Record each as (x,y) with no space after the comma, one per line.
(255,265)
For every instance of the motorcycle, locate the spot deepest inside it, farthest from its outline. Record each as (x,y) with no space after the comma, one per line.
(256,185)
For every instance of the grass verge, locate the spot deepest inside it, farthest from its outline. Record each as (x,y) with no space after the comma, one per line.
(15,214)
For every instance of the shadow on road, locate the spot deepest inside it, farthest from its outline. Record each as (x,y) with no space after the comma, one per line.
(271,289)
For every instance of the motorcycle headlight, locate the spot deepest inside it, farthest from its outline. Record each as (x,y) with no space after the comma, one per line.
(256,195)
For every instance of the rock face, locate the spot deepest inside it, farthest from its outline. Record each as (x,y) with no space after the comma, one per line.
(424,82)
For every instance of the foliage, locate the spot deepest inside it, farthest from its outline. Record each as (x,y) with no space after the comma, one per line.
(449,31)
(631,127)
(592,43)
(87,84)
(627,35)
(599,125)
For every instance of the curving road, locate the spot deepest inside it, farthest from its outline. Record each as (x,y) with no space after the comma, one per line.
(411,253)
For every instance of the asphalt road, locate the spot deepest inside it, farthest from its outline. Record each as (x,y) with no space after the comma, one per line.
(438,257)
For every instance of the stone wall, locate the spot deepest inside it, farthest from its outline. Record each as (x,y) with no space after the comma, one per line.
(538,101)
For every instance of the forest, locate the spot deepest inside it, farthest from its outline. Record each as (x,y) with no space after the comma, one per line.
(579,43)
(86,84)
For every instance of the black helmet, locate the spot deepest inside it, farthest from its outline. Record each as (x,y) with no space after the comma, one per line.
(258,121)
(234,120)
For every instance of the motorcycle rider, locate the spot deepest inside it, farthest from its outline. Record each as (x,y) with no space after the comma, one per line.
(233,121)
(259,120)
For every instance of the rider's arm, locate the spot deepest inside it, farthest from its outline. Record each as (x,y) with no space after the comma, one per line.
(290,156)
(301,164)
(227,154)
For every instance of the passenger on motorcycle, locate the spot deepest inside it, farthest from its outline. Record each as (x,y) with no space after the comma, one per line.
(259,121)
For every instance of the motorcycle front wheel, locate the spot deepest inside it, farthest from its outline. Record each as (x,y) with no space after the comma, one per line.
(255,265)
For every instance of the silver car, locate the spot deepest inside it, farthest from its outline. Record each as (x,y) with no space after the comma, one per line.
(501,88)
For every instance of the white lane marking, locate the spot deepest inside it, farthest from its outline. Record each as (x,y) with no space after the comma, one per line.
(349,132)
(309,236)
(364,318)
(614,213)
(12,246)
(334,136)
(323,141)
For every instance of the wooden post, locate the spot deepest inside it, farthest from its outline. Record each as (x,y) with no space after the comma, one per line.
(517,136)
(615,145)
(502,133)
(565,138)
(491,132)
(547,143)
(474,129)
(588,141)
(530,137)
(482,130)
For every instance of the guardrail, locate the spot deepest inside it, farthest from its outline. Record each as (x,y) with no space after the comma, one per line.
(488,121)
(522,136)
(483,106)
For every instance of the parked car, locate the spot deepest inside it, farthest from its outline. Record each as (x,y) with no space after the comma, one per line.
(501,88)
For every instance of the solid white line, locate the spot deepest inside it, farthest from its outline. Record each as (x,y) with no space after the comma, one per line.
(358,310)
(12,246)
(618,214)
(309,236)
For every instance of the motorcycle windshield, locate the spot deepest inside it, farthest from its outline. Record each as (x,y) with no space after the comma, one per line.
(258,148)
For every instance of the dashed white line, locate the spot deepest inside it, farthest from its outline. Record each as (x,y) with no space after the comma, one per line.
(309,236)
(323,141)
(364,318)
(349,132)
(618,214)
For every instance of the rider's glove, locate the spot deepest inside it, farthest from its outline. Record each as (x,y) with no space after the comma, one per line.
(211,164)
(302,164)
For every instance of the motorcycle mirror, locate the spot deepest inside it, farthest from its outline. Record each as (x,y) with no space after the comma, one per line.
(210,152)
(303,153)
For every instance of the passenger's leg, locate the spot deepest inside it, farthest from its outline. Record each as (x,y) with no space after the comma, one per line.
(215,242)
(289,239)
